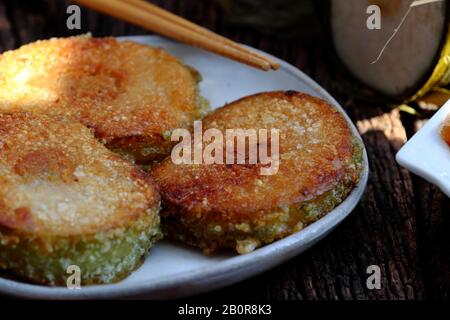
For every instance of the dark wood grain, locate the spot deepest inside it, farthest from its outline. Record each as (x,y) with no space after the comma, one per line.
(402,223)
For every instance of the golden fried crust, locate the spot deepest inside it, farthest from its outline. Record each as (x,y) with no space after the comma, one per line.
(56,179)
(123,90)
(316,149)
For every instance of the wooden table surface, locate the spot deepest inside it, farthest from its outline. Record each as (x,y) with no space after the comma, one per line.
(402,223)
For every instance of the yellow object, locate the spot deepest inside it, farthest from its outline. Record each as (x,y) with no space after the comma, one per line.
(440,76)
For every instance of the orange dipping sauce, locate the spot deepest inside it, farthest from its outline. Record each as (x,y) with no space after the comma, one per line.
(445,133)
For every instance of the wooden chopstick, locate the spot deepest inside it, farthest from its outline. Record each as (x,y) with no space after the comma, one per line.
(161,21)
(196,28)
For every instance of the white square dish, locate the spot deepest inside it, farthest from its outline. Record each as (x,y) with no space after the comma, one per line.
(427,155)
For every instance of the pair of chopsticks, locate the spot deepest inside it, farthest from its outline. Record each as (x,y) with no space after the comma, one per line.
(152,17)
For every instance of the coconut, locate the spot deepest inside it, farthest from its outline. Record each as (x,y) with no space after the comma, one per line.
(398,59)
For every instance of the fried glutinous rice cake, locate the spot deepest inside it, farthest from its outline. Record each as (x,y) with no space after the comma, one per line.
(67,200)
(131,94)
(215,206)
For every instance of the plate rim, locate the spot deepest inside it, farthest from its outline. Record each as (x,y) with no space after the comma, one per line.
(189,283)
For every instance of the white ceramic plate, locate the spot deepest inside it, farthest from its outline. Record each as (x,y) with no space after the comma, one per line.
(173,270)
(427,155)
